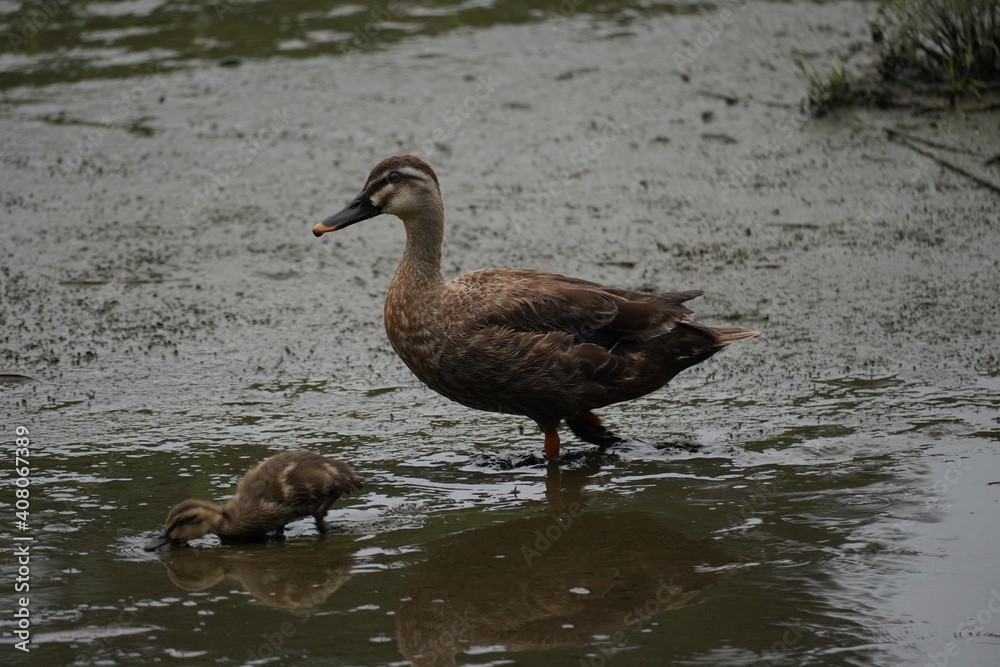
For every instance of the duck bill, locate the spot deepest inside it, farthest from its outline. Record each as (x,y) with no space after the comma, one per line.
(360,208)
(157,542)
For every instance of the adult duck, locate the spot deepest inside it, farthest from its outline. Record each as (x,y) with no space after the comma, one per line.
(521,341)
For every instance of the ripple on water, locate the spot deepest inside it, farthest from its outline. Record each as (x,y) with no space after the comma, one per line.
(88,634)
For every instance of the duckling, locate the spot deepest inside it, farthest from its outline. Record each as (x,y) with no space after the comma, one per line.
(522,341)
(284,487)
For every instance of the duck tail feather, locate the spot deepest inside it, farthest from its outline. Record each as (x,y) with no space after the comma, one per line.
(727,335)
(679,297)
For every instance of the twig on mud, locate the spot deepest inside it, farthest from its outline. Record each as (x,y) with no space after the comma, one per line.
(779,105)
(982,180)
(892,131)
(993,106)
(730,100)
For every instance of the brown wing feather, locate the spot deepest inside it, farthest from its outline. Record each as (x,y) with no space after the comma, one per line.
(535,374)
(543,302)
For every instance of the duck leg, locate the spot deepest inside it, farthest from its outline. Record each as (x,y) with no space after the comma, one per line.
(551,444)
(588,427)
(321,511)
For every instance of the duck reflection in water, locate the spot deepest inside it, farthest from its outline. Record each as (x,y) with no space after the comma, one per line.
(564,578)
(278,575)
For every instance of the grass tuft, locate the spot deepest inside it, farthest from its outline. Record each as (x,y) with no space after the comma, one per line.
(954,42)
(830,90)
(953,45)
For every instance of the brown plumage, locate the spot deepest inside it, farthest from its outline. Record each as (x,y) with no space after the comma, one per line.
(285,487)
(521,341)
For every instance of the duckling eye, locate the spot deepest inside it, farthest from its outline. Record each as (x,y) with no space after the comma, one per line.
(394,177)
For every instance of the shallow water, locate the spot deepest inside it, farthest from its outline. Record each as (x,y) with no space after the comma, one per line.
(84,40)
(823,496)
(810,545)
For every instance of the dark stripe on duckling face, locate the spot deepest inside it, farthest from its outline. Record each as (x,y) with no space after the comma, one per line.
(190,520)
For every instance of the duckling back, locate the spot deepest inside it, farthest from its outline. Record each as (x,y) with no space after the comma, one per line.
(285,487)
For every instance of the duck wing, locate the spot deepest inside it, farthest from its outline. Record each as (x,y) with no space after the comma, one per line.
(544,302)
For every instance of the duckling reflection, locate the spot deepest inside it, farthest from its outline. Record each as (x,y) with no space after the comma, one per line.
(277,575)
(549,581)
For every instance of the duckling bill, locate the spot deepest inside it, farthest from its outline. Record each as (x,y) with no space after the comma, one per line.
(280,489)
(522,341)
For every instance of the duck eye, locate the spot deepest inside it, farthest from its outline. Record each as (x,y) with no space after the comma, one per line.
(394,177)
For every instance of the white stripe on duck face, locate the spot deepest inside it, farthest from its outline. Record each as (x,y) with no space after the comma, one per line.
(413,172)
(404,172)
(384,188)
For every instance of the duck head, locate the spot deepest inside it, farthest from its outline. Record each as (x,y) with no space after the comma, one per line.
(189,520)
(402,185)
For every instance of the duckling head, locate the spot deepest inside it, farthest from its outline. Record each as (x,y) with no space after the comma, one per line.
(189,520)
(403,185)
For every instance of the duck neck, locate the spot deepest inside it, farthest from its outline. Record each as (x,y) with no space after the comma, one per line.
(421,262)
(216,518)
(231,519)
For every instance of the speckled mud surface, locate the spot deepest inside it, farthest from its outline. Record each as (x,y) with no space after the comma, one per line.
(160,286)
